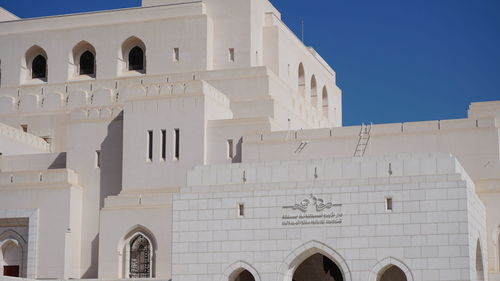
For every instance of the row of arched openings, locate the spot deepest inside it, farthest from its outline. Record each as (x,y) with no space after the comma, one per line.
(315,101)
(321,268)
(317,267)
(82,60)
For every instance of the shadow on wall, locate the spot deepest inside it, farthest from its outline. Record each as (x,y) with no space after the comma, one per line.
(237,156)
(110,162)
(59,162)
(110,171)
(91,272)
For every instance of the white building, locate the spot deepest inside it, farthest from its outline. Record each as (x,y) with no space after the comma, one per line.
(201,140)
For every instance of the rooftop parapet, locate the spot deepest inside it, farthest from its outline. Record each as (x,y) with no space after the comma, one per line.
(484,109)
(6,15)
(32,162)
(391,167)
(101,93)
(96,18)
(377,129)
(38,178)
(24,138)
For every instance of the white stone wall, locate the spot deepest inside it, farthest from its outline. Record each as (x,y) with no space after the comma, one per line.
(51,200)
(426,233)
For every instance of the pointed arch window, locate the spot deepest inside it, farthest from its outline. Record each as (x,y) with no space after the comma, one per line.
(136,59)
(39,67)
(242,275)
(87,64)
(34,66)
(392,272)
(301,81)
(314,91)
(324,97)
(140,257)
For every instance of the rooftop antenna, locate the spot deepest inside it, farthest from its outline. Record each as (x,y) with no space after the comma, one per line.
(302,31)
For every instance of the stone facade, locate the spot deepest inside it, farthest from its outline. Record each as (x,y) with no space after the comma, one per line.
(202,140)
(435,216)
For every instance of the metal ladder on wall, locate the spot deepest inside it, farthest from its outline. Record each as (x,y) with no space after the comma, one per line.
(364,139)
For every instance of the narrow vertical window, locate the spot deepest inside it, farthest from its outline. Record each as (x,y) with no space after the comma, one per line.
(231,54)
(388,204)
(241,210)
(136,59)
(87,63)
(98,159)
(163,145)
(230,151)
(150,145)
(176,144)
(24,127)
(39,67)
(176,54)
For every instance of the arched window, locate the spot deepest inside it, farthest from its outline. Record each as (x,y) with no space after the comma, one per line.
(39,67)
(324,99)
(301,81)
(140,257)
(82,61)
(137,254)
(132,56)
(87,63)
(318,268)
(314,91)
(136,59)
(34,65)
(11,258)
(391,273)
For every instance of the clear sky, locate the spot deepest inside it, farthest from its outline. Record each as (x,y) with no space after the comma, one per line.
(396,60)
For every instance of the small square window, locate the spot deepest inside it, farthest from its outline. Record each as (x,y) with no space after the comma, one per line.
(231,54)
(176,55)
(388,204)
(24,127)
(241,210)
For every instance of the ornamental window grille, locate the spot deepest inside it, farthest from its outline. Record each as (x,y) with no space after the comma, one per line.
(140,258)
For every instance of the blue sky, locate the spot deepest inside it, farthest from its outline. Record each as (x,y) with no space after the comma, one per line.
(396,61)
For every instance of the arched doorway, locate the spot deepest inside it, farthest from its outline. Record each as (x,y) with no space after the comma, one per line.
(318,268)
(12,257)
(241,275)
(392,273)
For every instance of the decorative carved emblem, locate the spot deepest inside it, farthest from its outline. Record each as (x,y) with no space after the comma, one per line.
(313,211)
(318,203)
